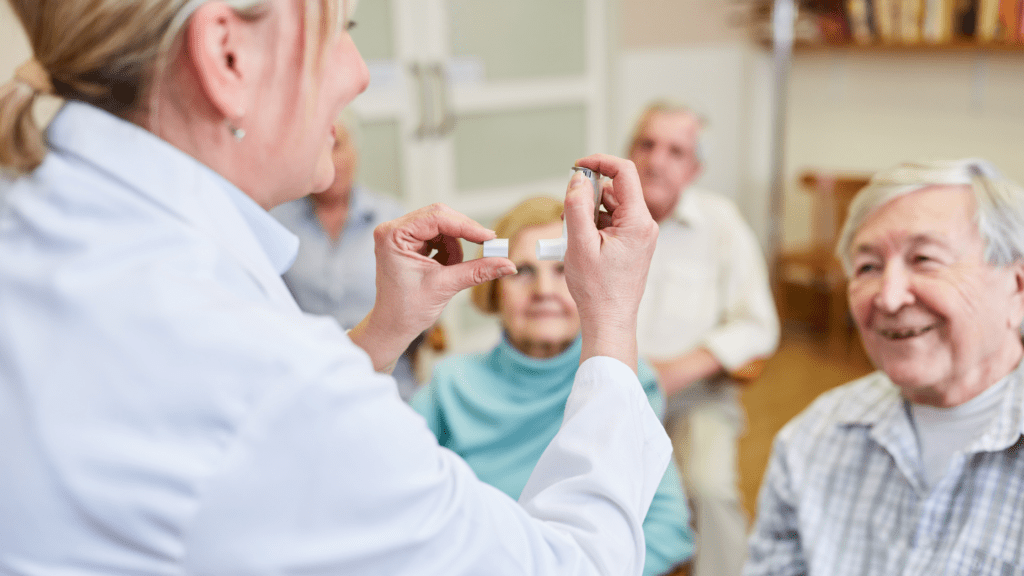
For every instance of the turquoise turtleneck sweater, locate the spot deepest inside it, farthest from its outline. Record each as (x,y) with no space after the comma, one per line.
(500,409)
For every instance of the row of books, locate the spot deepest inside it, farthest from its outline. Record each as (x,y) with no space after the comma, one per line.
(934,21)
(899,21)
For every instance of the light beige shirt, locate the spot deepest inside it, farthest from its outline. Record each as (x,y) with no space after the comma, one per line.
(707,286)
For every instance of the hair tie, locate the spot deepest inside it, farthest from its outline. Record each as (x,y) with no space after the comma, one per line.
(33,75)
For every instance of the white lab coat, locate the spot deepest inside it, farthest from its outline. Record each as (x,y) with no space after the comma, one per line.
(165,408)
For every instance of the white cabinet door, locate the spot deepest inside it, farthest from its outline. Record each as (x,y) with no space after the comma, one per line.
(527,86)
(478,103)
(390,111)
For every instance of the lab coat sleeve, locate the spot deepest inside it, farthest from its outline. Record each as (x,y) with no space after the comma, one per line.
(608,458)
(670,540)
(339,476)
(424,401)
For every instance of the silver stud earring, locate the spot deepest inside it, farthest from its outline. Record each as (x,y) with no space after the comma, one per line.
(237,132)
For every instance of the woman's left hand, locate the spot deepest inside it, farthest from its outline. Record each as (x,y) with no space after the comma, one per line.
(415,283)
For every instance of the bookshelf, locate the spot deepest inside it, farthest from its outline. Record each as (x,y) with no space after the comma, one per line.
(923,98)
(965,46)
(898,25)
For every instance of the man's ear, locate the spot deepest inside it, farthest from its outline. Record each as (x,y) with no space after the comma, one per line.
(215,44)
(699,170)
(1016,312)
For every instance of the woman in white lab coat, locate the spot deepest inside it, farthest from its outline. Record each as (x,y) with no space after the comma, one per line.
(164,405)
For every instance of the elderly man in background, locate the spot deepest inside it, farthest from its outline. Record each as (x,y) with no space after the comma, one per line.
(707,317)
(333,274)
(917,468)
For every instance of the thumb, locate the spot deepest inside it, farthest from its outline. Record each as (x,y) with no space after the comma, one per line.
(458,277)
(579,210)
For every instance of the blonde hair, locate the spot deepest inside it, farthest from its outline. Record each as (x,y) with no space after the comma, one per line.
(528,213)
(665,107)
(106,53)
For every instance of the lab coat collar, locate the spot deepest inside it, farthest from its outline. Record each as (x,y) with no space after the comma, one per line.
(174,180)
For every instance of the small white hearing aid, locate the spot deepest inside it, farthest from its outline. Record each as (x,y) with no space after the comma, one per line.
(497,247)
(554,248)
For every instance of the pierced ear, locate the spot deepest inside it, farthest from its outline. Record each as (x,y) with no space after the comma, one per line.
(215,47)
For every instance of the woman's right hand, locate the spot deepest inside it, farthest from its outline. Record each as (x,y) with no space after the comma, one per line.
(606,268)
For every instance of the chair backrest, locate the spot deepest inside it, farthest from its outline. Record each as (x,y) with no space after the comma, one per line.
(832,193)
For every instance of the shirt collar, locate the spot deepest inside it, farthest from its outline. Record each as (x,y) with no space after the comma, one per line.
(362,210)
(1008,427)
(878,400)
(280,245)
(170,178)
(688,210)
(880,404)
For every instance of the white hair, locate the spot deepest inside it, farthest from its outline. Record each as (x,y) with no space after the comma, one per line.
(999,204)
(669,107)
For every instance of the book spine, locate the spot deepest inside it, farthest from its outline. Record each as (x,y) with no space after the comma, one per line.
(857,11)
(988,21)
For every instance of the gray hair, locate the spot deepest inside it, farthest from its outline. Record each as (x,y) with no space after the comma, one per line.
(668,107)
(999,204)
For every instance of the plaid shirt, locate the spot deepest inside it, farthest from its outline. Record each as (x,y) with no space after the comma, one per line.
(844,492)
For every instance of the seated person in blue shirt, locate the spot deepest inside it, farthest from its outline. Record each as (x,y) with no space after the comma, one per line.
(333,273)
(500,409)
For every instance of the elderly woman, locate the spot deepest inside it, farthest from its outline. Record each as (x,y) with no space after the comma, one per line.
(499,410)
(916,468)
(165,407)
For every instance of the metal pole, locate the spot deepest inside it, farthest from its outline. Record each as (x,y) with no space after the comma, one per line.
(783,24)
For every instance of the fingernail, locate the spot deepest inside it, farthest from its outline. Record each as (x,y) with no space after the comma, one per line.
(507,270)
(576,180)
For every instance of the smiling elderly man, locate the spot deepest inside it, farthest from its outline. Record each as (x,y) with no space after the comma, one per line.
(917,468)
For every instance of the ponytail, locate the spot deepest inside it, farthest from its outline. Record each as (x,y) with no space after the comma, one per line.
(22,146)
(102,52)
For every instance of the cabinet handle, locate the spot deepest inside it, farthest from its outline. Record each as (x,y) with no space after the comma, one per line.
(424,97)
(447,123)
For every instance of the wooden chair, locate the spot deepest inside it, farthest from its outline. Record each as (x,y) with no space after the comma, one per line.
(809,281)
